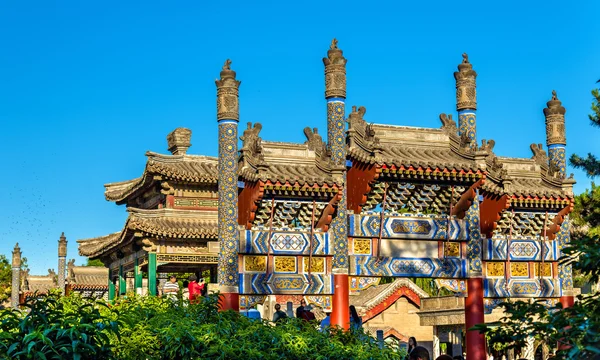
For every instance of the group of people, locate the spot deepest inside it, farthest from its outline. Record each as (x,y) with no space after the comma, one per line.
(193,289)
(304,312)
(416,352)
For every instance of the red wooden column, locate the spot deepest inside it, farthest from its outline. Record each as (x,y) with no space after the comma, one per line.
(340,314)
(474,315)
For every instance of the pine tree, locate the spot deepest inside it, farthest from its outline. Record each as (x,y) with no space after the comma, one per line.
(590,164)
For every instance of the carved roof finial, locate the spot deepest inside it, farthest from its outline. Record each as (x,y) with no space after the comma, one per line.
(554,106)
(333,45)
(226,72)
(16,256)
(465,58)
(227,65)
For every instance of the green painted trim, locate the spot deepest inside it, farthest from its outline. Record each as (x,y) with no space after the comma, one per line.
(111,287)
(152,274)
(138,277)
(122,282)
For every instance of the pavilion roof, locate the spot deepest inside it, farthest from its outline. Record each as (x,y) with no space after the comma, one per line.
(87,275)
(523,178)
(407,147)
(40,283)
(187,168)
(164,223)
(305,164)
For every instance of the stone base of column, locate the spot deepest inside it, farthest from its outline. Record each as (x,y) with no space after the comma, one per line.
(474,315)
(340,315)
(229,299)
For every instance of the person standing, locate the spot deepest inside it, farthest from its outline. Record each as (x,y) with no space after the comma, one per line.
(279,314)
(412,344)
(171,288)
(195,289)
(300,309)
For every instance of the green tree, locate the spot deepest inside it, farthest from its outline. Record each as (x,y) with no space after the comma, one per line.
(590,164)
(5,279)
(94,262)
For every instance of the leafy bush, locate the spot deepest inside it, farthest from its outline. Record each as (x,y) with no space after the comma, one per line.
(136,327)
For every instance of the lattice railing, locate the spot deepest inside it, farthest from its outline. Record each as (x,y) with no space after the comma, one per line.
(404,197)
(523,224)
(288,213)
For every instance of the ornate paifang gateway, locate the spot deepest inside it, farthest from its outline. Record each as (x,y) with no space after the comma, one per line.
(374,200)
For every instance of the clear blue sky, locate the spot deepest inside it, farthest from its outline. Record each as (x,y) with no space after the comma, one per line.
(87,87)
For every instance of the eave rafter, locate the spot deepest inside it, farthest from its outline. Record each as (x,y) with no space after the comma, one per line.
(491,209)
(360,178)
(430,173)
(466,199)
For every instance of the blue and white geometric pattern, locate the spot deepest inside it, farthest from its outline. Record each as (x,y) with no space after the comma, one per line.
(408,267)
(336,140)
(524,249)
(565,272)
(288,284)
(557,157)
(284,242)
(408,226)
(496,288)
(228,204)
(474,245)
(467,124)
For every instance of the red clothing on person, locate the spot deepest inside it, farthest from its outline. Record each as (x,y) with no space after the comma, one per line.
(195,290)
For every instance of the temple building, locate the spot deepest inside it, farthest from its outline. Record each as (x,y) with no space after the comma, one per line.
(88,281)
(327,217)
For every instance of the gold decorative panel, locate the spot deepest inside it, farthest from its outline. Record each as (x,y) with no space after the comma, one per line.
(362,246)
(451,249)
(495,268)
(285,264)
(547,269)
(519,269)
(318,265)
(255,263)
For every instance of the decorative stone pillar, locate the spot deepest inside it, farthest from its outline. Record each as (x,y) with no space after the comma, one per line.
(229,238)
(466,99)
(556,139)
(16,276)
(62,262)
(335,94)
(474,312)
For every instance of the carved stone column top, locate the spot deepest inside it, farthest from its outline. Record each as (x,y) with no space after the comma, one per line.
(335,72)
(179,140)
(227,94)
(466,95)
(555,121)
(62,246)
(16,256)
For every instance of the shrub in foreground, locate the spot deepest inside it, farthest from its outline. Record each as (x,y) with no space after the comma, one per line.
(155,328)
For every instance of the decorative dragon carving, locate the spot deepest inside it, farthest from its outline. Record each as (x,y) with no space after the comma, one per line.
(252,141)
(539,154)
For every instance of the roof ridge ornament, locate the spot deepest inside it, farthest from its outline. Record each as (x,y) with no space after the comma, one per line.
(448,124)
(539,154)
